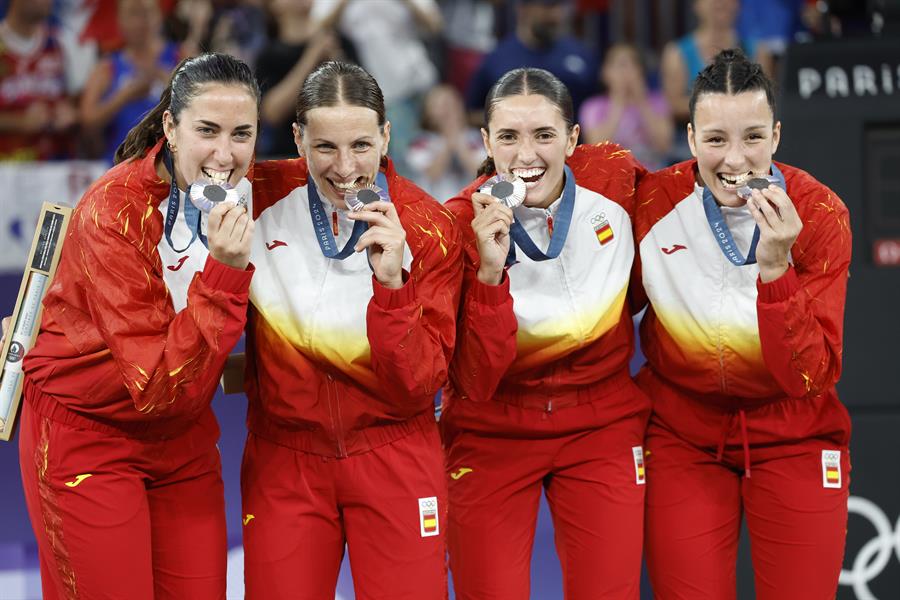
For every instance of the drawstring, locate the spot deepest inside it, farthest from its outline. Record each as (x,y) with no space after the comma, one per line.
(726,428)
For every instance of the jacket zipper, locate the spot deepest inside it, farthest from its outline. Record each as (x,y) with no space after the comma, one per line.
(336,421)
(720,342)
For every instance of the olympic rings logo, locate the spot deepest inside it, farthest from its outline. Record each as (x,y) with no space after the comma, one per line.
(598,218)
(873,557)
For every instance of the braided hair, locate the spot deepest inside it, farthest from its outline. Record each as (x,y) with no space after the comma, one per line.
(731,72)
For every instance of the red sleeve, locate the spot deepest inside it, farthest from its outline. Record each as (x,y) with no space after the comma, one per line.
(653,200)
(801,314)
(412,329)
(486,344)
(637,296)
(166,360)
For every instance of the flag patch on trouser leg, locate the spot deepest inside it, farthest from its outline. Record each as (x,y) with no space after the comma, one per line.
(831,468)
(640,476)
(428,516)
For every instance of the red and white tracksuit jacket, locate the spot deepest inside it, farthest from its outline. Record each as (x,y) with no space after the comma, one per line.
(552,332)
(135,334)
(336,366)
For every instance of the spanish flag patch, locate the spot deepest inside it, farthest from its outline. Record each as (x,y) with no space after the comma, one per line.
(428,516)
(831,468)
(604,232)
(640,476)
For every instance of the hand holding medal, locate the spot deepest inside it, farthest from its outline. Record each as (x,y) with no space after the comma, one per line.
(229,226)
(779,225)
(385,239)
(493,205)
(756,183)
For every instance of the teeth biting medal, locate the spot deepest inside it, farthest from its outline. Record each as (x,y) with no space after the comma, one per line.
(756,183)
(205,195)
(359,197)
(507,188)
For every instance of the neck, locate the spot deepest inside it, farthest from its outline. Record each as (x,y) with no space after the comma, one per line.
(552,197)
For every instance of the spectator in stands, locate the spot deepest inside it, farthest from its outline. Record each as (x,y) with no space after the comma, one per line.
(685,57)
(235,27)
(284,64)
(469,34)
(389,38)
(37,117)
(540,40)
(628,114)
(772,23)
(444,157)
(117,442)
(126,85)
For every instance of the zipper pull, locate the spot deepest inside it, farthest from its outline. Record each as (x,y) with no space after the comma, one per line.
(549,222)
(334,222)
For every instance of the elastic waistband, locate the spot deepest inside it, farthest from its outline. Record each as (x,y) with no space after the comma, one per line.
(724,402)
(315,440)
(50,407)
(553,400)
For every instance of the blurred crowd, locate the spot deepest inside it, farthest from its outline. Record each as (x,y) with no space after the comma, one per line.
(75,75)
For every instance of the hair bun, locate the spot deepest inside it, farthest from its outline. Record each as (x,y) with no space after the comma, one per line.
(730,55)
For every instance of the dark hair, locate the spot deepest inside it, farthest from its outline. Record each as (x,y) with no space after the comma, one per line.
(184,85)
(522,82)
(336,82)
(731,72)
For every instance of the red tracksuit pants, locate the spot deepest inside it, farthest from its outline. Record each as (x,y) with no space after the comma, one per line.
(388,505)
(785,466)
(117,517)
(595,489)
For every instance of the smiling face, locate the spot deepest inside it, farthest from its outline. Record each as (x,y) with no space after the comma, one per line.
(527,137)
(733,139)
(343,146)
(215,135)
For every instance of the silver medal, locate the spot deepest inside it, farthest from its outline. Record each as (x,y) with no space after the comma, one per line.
(357,198)
(205,195)
(756,183)
(507,188)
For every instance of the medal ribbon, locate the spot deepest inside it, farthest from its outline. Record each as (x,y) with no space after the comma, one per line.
(558,235)
(191,212)
(722,233)
(323,229)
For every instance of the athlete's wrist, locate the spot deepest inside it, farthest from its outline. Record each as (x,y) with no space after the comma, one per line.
(489,276)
